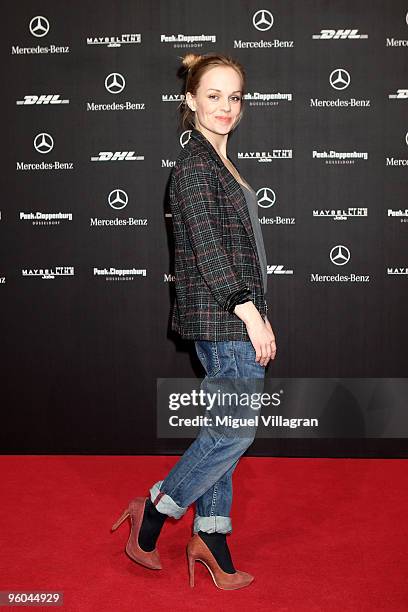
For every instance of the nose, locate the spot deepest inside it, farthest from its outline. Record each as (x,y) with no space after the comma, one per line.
(226,105)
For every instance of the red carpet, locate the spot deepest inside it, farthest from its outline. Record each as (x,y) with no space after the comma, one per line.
(330,535)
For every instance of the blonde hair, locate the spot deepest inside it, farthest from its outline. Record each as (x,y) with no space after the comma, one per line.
(192,70)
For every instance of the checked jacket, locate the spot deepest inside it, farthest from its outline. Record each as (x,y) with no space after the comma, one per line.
(215,255)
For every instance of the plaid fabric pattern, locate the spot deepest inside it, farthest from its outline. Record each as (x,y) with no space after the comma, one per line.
(216,259)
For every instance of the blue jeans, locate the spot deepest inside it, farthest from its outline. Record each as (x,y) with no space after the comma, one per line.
(204,473)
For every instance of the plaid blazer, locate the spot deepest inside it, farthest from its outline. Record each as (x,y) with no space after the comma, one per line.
(216,259)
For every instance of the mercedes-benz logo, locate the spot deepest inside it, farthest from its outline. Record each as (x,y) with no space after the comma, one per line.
(339,78)
(266,197)
(118,199)
(43,143)
(185,137)
(262,20)
(39,26)
(339,255)
(115,83)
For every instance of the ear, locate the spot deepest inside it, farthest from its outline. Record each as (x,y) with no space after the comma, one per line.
(190,101)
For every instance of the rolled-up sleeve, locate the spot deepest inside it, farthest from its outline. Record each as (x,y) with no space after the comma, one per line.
(196,198)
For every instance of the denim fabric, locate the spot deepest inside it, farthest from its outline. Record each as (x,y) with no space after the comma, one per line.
(204,473)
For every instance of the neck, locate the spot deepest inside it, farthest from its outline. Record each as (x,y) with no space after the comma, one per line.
(218,141)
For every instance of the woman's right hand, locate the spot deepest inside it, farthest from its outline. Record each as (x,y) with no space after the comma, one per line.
(259,331)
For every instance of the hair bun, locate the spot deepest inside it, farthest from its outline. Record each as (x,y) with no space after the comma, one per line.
(190,59)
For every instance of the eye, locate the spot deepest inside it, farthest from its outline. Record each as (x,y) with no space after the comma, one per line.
(236,98)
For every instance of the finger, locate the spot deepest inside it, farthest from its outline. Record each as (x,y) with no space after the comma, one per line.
(266,354)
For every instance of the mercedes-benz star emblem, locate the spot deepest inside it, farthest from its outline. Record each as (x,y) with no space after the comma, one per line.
(118,199)
(266,197)
(262,20)
(185,137)
(39,26)
(339,78)
(339,255)
(115,83)
(43,143)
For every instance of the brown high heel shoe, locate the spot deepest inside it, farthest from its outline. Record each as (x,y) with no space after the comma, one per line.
(197,550)
(135,512)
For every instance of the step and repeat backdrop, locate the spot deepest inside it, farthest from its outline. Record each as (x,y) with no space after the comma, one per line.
(90,115)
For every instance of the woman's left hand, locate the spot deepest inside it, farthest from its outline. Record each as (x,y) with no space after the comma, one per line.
(268,325)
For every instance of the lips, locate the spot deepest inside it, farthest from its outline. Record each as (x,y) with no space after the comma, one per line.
(224,119)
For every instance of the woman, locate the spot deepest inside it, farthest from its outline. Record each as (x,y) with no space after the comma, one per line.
(220,271)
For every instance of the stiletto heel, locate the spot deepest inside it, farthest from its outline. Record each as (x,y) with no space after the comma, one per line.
(191,562)
(197,550)
(135,512)
(120,520)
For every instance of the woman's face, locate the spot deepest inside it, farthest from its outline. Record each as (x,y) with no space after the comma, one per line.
(217,103)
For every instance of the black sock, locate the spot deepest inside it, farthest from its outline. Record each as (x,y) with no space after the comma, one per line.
(217,543)
(152,522)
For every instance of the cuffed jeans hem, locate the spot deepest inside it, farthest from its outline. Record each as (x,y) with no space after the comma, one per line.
(211,524)
(165,505)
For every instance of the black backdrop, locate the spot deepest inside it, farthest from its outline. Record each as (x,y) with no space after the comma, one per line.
(81,352)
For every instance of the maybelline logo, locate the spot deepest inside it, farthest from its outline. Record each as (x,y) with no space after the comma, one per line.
(118,200)
(339,34)
(105,156)
(181,40)
(402,94)
(400,213)
(119,273)
(47,273)
(278,269)
(115,83)
(340,255)
(397,271)
(41,99)
(257,98)
(339,79)
(44,144)
(341,214)
(45,218)
(172,97)
(266,156)
(39,27)
(397,42)
(114,41)
(340,157)
(262,21)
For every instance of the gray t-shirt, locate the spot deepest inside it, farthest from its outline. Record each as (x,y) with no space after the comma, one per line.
(252,204)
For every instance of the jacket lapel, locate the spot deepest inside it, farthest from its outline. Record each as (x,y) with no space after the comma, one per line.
(230,185)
